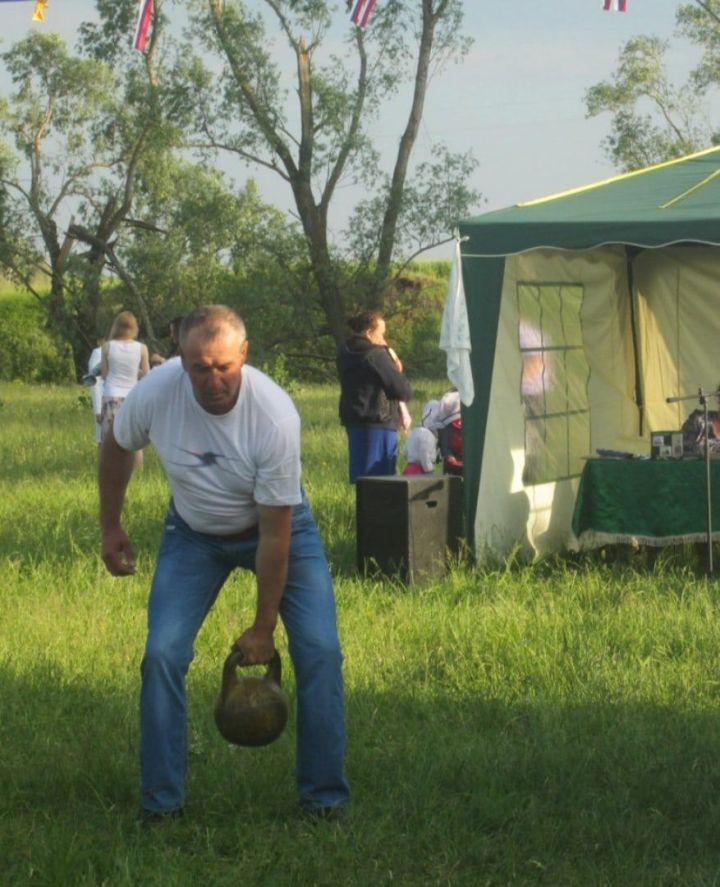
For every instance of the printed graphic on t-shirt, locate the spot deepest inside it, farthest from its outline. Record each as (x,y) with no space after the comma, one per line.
(206,460)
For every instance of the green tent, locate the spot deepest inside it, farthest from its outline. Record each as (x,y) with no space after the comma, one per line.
(586,310)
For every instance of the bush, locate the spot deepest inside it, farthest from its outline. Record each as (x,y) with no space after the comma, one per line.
(27,351)
(414,309)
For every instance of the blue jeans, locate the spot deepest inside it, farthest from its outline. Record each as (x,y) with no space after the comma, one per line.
(190,571)
(372,451)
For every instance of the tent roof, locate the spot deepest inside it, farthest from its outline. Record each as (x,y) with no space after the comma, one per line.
(673,202)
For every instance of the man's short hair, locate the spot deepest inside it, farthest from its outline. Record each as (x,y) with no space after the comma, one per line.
(212,320)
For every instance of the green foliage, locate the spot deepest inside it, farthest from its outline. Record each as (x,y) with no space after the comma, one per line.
(57,118)
(271,288)
(27,351)
(288,325)
(700,23)
(439,268)
(57,97)
(277,369)
(433,201)
(213,244)
(413,314)
(652,120)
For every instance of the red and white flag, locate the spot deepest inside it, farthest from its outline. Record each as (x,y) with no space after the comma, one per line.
(142,28)
(615,5)
(362,11)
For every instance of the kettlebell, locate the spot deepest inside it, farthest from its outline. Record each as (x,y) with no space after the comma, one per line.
(251,710)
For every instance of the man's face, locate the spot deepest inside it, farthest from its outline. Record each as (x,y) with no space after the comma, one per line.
(215,368)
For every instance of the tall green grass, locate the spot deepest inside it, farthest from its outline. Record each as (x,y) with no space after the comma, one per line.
(533,725)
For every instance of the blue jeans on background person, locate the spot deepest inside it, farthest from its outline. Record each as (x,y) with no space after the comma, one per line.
(190,571)
(372,451)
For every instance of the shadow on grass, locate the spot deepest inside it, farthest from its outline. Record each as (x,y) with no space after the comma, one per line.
(342,557)
(453,789)
(597,793)
(70,777)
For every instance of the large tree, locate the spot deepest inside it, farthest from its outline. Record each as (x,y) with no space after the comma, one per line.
(93,136)
(219,244)
(315,136)
(652,118)
(51,119)
(87,134)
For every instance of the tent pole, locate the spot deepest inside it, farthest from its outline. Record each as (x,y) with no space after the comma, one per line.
(630,254)
(708,488)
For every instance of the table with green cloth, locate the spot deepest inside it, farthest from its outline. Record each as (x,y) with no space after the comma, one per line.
(645,501)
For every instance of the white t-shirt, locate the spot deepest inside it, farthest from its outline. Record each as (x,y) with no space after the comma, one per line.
(124,357)
(219,467)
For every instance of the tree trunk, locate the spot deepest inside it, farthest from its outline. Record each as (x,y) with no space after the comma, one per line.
(314,224)
(407,143)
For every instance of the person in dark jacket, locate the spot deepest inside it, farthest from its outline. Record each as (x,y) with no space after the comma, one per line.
(372,386)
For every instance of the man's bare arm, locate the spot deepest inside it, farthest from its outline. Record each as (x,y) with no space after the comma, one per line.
(116,466)
(271,566)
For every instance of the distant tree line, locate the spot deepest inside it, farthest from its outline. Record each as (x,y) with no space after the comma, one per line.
(31,352)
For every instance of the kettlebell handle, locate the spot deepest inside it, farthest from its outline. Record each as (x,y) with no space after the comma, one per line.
(235,660)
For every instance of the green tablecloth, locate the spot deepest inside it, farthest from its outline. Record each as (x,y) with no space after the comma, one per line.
(653,502)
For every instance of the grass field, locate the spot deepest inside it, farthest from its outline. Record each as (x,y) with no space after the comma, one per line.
(550,725)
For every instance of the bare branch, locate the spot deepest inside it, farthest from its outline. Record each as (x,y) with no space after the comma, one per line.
(233,149)
(423,249)
(15,186)
(129,282)
(262,118)
(353,128)
(407,141)
(145,226)
(284,23)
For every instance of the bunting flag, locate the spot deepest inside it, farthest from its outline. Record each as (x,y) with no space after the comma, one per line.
(615,5)
(363,8)
(143,24)
(39,10)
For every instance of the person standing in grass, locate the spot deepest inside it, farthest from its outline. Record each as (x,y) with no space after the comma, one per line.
(174,335)
(123,362)
(373,391)
(229,440)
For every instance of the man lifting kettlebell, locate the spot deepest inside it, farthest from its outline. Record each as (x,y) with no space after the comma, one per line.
(229,440)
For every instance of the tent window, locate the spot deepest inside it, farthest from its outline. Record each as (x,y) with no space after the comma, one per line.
(554,381)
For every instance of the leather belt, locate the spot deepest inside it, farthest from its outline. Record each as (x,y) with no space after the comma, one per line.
(245,535)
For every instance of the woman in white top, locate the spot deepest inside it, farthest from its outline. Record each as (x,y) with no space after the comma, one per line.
(123,362)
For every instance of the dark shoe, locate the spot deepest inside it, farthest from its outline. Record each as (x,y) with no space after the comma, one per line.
(336,814)
(157,817)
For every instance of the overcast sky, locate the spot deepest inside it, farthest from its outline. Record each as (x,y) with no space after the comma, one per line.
(516,100)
